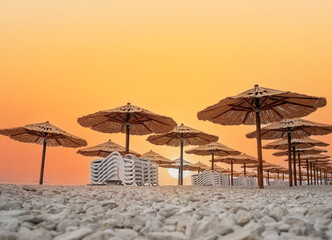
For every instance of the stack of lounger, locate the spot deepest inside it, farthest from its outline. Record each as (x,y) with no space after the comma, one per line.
(245,181)
(125,170)
(278,182)
(209,178)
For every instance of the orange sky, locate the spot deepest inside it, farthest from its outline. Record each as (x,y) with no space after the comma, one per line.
(60,60)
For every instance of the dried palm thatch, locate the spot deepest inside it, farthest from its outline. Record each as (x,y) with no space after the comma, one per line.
(200,166)
(36,133)
(299,128)
(156,157)
(260,105)
(189,136)
(177,164)
(104,149)
(237,159)
(127,119)
(221,169)
(302,143)
(46,134)
(274,105)
(213,149)
(182,136)
(313,157)
(301,151)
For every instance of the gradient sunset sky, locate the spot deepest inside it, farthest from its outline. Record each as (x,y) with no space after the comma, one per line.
(60,60)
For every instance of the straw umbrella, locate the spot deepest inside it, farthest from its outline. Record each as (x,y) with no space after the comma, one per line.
(213,149)
(45,134)
(104,149)
(302,143)
(260,105)
(292,128)
(237,159)
(200,166)
(182,136)
(127,119)
(299,152)
(221,169)
(156,158)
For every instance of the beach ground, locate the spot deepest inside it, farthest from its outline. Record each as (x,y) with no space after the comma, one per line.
(165,212)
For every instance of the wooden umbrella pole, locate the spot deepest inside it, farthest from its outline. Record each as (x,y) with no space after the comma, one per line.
(181,159)
(268,177)
(127,132)
(278,173)
(300,174)
(314,167)
(43,162)
(212,167)
(294,165)
(307,162)
(244,169)
(320,173)
(283,176)
(289,137)
(310,173)
(259,144)
(232,173)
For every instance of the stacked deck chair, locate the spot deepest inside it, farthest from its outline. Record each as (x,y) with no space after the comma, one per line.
(245,181)
(209,178)
(125,170)
(278,182)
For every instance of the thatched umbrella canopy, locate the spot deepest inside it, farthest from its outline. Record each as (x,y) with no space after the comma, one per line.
(187,166)
(237,159)
(182,136)
(46,134)
(292,128)
(221,169)
(260,105)
(156,157)
(301,151)
(213,149)
(200,166)
(104,149)
(127,119)
(302,143)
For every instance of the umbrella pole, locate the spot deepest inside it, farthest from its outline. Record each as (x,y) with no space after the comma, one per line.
(212,167)
(294,165)
(314,174)
(244,169)
(232,173)
(300,174)
(307,162)
(127,132)
(289,135)
(268,177)
(43,162)
(259,144)
(278,173)
(320,173)
(181,159)
(283,176)
(310,173)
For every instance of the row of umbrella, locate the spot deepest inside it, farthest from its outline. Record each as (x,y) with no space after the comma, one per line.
(258,106)
(255,106)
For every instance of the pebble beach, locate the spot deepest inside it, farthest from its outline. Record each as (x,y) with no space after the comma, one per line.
(164,212)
